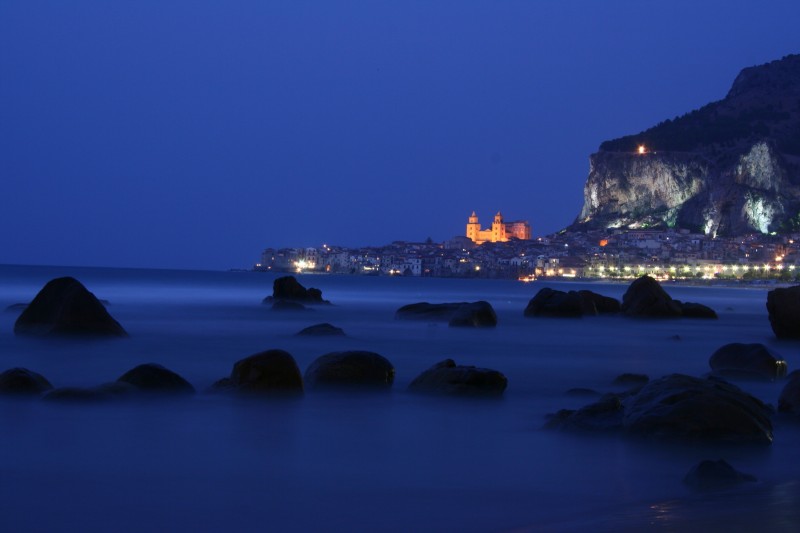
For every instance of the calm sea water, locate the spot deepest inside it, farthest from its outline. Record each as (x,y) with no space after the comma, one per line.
(382,462)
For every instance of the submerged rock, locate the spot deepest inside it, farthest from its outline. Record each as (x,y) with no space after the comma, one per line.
(696,310)
(321,330)
(65,307)
(457,314)
(676,407)
(355,369)
(789,400)
(22,381)
(689,408)
(287,288)
(783,306)
(474,315)
(151,377)
(630,380)
(573,304)
(268,372)
(715,475)
(747,361)
(286,305)
(448,378)
(108,391)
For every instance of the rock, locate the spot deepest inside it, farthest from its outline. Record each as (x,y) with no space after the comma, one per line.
(357,369)
(448,378)
(65,307)
(155,378)
(23,381)
(582,391)
(427,311)
(286,305)
(108,391)
(630,380)
(748,361)
(789,400)
(695,310)
(321,330)
(688,408)
(646,298)
(552,303)
(604,305)
(606,414)
(457,314)
(287,288)
(15,308)
(783,305)
(715,475)
(268,372)
(474,315)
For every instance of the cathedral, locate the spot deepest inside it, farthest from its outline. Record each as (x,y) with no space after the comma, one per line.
(499,232)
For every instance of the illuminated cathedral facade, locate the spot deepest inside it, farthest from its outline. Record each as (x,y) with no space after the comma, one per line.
(499,232)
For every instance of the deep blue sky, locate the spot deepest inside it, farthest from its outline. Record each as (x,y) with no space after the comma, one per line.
(193,134)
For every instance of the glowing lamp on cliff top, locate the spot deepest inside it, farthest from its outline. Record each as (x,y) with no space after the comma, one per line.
(642,149)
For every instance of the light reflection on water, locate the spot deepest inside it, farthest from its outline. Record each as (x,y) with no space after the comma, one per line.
(389,462)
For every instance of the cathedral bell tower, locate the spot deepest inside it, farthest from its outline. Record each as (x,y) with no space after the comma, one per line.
(498,229)
(473,227)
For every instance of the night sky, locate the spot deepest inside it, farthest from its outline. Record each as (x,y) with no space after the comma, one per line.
(193,134)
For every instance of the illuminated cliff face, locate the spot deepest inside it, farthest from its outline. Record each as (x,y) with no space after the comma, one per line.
(663,189)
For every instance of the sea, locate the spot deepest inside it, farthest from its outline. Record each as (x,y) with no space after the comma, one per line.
(390,461)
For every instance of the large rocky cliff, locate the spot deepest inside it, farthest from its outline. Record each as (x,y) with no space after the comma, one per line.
(729,168)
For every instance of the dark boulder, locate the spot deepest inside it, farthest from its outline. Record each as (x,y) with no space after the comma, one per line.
(554,303)
(783,306)
(604,305)
(268,372)
(427,311)
(356,369)
(646,298)
(789,400)
(289,289)
(695,310)
(155,378)
(474,315)
(448,378)
(747,361)
(65,307)
(321,330)
(689,408)
(715,475)
(603,415)
(23,381)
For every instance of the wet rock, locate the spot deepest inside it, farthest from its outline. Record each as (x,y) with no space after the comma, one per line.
(553,303)
(783,305)
(354,369)
(287,288)
(65,307)
(457,314)
(604,305)
(715,475)
(474,315)
(286,305)
(789,400)
(604,415)
(154,378)
(689,408)
(16,308)
(747,361)
(630,380)
(268,372)
(582,392)
(321,330)
(447,378)
(646,298)
(695,310)
(23,381)
(107,391)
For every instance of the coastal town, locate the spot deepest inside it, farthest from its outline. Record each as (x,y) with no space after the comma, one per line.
(507,250)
